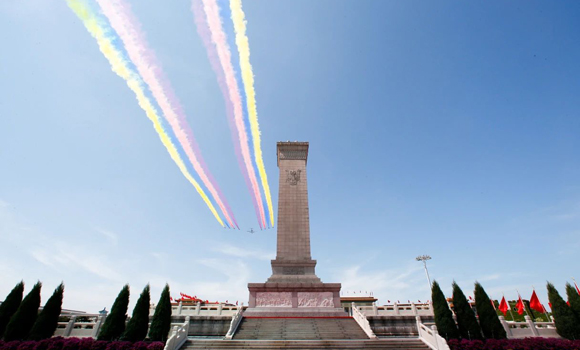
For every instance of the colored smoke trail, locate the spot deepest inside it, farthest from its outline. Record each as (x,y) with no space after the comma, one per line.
(219,39)
(128,27)
(119,65)
(243,45)
(203,31)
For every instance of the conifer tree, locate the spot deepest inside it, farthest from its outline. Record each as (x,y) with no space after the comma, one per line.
(24,318)
(574,300)
(161,323)
(488,319)
(139,323)
(114,325)
(466,321)
(567,324)
(443,316)
(10,305)
(47,320)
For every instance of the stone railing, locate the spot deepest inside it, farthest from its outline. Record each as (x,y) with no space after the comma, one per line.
(431,337)
(80,326)
(178,336)
(236,320)
(198,310)
(411,309)
(362,321)
(529,328)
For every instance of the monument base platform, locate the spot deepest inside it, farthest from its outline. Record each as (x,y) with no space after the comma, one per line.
(294,300)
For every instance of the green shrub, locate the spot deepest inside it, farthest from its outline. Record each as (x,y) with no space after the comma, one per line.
(466,321)
(114,325)
(47,321)
(443,316)
(566,321)
(10,305)
(161,323)
(488,319)
(139,323)
(24,318)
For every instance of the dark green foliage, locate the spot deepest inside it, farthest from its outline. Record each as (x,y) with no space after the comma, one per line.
(161,323)
(24,318)
(10,305)
(139,323)
(567,324)
(466,321)
(488,319)
(114,324)
(47,320)
(443,316)
(573,299)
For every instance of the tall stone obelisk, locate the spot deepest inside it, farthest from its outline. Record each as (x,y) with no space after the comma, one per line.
(293,260)
(293,289)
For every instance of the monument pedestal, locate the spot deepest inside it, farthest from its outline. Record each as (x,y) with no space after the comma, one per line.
(293,290)
(299,299)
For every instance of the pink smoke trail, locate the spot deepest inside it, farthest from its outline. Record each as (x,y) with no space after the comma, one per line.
(204,33)
(223,51)
(129,30)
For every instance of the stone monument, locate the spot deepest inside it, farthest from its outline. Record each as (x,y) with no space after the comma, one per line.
(293,289)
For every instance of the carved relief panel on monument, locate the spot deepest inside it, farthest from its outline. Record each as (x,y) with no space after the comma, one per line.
(293,177)
(274,299)
(315,299)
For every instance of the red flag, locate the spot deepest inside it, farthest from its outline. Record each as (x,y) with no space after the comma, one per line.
(503,306)
(470,298)
(171,298)
(388,301)
(550,305)
(568,302)
(520,306)
(236,302)
(535,302)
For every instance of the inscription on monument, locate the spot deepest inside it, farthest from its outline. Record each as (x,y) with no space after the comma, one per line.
(315,299)
(293,177)
(274,299)
(294,270)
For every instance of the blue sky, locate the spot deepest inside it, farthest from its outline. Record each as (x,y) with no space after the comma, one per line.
(447,128)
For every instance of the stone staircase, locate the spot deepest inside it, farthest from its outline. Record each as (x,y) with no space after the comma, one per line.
(299,329)
(303,333)
(387,344)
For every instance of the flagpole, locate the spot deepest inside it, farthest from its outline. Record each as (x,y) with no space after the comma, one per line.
(524,305)
(509,307)
(575,285)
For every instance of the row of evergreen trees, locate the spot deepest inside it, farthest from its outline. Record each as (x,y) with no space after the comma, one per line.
(467,326)
(138,326)
(566,315)
(19,318)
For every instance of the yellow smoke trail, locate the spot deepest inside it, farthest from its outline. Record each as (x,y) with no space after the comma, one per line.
(119,66)
(243,45)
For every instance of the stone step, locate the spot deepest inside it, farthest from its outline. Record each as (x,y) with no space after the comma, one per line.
(299,329)
(390,344)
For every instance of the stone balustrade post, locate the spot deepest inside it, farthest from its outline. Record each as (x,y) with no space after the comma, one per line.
(506,327)
(70,325)
(179,307)
(220,308)
(375,309)
(414,308)
(435,335)
(97,327)
(532,326)
(396,309)
(198,308)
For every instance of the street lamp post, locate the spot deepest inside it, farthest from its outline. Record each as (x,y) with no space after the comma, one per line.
(424,259)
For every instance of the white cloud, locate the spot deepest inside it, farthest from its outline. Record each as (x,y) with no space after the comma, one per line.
(109,234)
(242,253)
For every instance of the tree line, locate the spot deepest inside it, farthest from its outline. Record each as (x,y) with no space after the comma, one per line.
(20,319)
(467,326)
